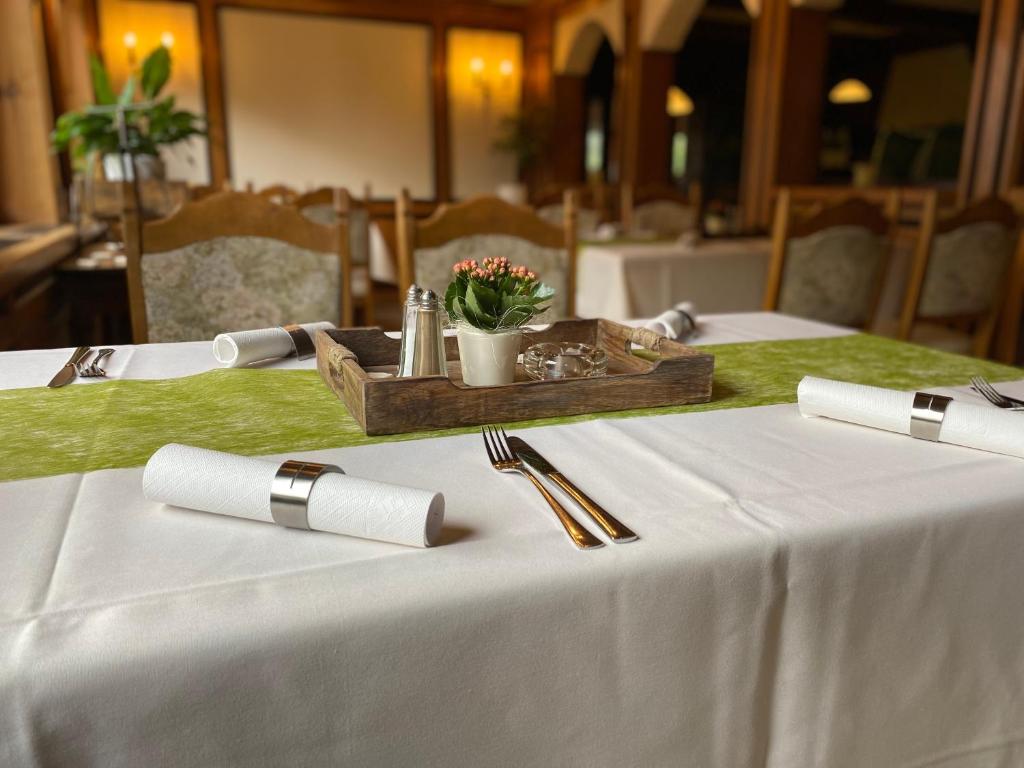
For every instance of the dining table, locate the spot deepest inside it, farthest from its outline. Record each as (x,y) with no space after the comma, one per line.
(624,279)
(802,592)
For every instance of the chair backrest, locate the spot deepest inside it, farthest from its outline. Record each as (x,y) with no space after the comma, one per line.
(960,268)
(275,193)
(830,265)
(595,204)
(661,208)
(328,206)
(481,227)
(232,261)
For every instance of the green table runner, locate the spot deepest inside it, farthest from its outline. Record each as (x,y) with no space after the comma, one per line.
(121,423)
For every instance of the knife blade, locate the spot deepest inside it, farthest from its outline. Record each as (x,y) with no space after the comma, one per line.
(616,530)
(68,372)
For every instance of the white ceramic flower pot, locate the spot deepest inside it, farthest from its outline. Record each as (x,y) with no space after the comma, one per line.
(488,359)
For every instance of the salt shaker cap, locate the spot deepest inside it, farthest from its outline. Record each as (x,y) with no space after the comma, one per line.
(428,300)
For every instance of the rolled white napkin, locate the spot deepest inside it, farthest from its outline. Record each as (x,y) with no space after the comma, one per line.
(244,347)
(985,428)
(227,484)
(678,322)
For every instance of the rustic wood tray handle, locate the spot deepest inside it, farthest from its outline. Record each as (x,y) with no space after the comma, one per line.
(646,338)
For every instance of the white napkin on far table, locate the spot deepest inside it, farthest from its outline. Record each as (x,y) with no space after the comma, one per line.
(675,323)
(243,347)
(983,427)
(227,484)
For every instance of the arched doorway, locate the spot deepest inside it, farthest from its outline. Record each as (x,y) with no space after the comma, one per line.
(587,50)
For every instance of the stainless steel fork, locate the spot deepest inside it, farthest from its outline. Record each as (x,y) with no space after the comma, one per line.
(980,385)
(503,460)
(93,370)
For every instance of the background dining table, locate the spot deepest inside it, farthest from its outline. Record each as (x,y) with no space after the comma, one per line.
(625,279)
(803,592)
(628,278)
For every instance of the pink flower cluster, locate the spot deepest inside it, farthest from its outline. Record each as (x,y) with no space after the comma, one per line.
(493,269)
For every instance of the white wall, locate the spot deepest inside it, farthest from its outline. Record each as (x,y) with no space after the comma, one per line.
(477,102)
(316,100)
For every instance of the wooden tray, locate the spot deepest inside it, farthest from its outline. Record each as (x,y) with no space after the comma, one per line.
(346,359)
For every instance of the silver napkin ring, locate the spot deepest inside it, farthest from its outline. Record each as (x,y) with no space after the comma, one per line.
(926,415)
(289,492)
(302,342)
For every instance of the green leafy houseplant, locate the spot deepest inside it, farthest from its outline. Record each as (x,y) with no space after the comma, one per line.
(495,296)
(150,125)
(524,136)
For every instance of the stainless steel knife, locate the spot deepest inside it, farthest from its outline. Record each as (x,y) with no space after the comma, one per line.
(67,374)
(616,530)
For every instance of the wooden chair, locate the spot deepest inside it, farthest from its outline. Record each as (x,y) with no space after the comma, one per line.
(959,280)
(232,261)
(481,227)
(593,201)
(830,265)
(200,191)
(661,208)
(281,194)
(328,206)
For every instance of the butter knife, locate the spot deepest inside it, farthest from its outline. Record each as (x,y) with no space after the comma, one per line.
(67,374)
(616,530)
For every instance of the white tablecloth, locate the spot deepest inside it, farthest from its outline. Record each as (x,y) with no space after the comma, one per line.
(804,592)
(382,262)
(619,281)
(34,368)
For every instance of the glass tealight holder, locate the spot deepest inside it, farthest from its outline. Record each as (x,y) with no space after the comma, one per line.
(564,360)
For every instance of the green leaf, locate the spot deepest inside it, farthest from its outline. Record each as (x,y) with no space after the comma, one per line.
(450,295)
(541,291)
(156,71)
(128,92)
(487,297)
(476,308)
(100,81)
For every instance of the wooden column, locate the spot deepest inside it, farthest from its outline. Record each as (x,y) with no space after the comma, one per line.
(785,90)
(991,155)
(654,126)
(442,133)
(29,180)
(625,129)
(570,114)
(539,85)
(803,98)
(213,91)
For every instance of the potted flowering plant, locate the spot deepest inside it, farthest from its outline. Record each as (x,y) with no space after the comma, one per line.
(490,302)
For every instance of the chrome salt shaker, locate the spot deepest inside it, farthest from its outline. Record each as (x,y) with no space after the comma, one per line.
(428,358)
(409,311)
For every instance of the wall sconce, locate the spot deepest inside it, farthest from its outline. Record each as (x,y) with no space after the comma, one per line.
(476,68)
(131,41)
(167,40)
(849,91)
(677,102)
(486,79)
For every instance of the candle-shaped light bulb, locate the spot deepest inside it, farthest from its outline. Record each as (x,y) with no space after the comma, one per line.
(167,40)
